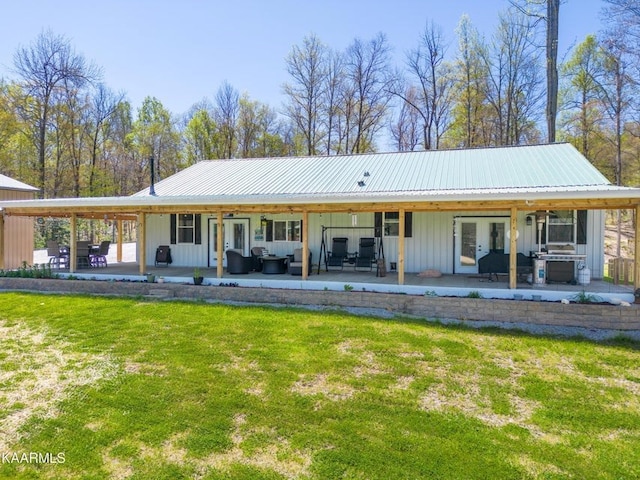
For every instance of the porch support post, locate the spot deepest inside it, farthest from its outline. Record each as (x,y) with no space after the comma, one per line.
(220,245)
(1,240)
(636,256)
(119,251)
(513,249)
(401,247)
(305,245)
(142,242)
(73,233)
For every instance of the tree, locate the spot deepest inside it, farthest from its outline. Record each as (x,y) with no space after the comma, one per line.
(307,66)
(433,102)
(581,95)
(369,87)
(470,73)
(551,15)
(201,137)
(226,116)
(406,129)
(48,65)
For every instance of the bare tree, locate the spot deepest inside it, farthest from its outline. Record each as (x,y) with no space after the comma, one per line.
(405,131)
(427,65)
(368,93)
(47,65)
(227,108)
(307,66)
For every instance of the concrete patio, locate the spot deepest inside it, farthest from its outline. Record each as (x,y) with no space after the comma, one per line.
(339,280)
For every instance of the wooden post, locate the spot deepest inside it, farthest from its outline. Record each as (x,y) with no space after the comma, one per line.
(636,259)
(2,240)
(73,247)
(305,245)
(220,245)
(142,243)
(401,247)
(119,251)
(513,249)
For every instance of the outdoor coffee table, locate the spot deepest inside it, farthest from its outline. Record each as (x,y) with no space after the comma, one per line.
(273,264)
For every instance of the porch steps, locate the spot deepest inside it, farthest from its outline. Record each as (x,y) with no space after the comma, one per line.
(159,293)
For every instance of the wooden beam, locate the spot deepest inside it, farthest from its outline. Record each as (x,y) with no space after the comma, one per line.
(636,260)
(220,245)
(73,248)
(401,247)
(305,245)
(142,243)
(513,249)
(2,236)
(120,234)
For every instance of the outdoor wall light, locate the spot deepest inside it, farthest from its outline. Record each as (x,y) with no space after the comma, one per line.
(529,221)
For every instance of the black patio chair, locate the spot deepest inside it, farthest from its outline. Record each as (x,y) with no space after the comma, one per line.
(338,254)
(237,263)
(366,253)
(163,255)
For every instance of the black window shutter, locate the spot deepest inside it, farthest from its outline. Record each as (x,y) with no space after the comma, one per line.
(581,233)
(269,235)
(543,240)
(408,224)
(301,230)
(197,224)
(377,221)
(173,228)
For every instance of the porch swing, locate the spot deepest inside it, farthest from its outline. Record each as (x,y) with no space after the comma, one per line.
(339,255)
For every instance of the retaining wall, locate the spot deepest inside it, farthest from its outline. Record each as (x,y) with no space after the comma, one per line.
(592,316)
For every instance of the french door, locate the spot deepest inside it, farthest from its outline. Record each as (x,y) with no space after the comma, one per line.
(476,237)
(235,237)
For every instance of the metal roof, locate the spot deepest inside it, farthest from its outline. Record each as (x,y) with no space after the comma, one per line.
(558,166)
(7,183)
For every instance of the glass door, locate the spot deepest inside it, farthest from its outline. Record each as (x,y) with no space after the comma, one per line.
(476,237)
(235,237)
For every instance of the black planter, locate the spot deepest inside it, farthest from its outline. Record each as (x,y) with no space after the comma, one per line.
(197,280)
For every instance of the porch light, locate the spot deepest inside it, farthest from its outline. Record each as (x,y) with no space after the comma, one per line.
(529,221)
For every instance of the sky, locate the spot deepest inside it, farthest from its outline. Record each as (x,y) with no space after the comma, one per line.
(182,51)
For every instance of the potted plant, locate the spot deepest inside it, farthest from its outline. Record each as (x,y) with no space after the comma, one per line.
(151,278)
(197,276)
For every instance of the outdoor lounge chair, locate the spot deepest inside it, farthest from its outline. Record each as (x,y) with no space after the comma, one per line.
(256,258)
(82,254)
(295,262)
(57,256)
(366,253)
(99,258)
(163,255)
(237,263)
(338,253)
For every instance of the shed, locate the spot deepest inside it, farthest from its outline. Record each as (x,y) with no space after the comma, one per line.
(18,231)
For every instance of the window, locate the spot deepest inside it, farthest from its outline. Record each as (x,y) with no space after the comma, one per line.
(561,227)
(286,231)
(391,224)
(185,228)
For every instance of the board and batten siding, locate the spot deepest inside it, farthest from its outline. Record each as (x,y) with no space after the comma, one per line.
(431,245)
(18,247)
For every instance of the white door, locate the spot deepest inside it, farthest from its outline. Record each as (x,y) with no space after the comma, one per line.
(235,237)
(476,237)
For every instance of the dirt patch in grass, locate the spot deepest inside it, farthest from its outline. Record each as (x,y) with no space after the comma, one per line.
(36,373)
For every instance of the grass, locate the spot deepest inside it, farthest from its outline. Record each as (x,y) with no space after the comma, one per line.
(127,388)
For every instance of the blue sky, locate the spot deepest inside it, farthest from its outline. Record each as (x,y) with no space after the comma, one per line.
(181,51)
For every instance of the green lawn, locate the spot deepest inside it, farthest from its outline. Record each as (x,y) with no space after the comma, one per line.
(127,388)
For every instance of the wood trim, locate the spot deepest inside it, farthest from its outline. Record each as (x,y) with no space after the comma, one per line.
(120,241)
(73,247)
(513,249)
(401,228)
(142,242)
(305,245)
(220,244)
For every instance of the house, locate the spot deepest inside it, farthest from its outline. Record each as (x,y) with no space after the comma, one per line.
(16,245)
(430,210)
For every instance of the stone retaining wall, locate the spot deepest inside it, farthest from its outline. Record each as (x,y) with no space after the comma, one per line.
(593,316)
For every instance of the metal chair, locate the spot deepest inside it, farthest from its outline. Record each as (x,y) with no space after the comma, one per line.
(338,253)
(99,258)
(366,253)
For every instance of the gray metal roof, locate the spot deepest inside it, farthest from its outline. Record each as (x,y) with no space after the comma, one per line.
(7,183)
(557,166)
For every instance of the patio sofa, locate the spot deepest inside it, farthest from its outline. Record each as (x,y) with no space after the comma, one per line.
(494,263)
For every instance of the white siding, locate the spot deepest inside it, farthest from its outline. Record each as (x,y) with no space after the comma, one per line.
(431,245)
